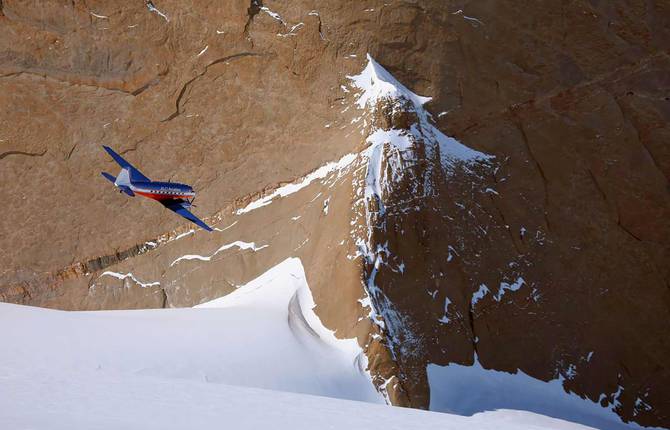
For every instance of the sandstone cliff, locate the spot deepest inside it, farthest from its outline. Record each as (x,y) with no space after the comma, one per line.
(520,216)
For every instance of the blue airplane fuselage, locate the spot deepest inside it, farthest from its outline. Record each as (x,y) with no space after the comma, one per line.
(162,190)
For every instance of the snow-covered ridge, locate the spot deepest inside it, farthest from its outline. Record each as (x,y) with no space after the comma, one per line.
(375,84)
(391,157)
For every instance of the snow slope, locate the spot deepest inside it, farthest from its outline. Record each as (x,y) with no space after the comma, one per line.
(489,390)
(94,401)
(205,367)
(261,339)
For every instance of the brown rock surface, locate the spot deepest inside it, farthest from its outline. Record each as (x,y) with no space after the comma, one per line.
(570,97)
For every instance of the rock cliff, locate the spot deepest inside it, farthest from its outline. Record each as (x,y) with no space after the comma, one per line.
(462,180)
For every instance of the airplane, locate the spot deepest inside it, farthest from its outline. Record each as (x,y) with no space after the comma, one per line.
(174,196)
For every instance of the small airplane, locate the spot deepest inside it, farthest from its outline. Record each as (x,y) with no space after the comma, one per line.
(174,196)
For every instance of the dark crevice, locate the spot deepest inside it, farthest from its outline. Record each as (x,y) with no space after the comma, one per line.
(320,28)
(64,80)
(69,154)
(164,302)
(524,136)
(624,228)
(507,227)
(628,232)
(474,339)
(27,154)
(100,263)
(639,136)
(618,216)
(177,111)
(149,84)
(604,196)
(253,10)
(597,184)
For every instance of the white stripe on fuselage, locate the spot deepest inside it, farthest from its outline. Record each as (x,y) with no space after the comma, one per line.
(162,191)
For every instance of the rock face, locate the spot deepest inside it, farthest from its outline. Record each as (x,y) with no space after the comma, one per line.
(538,240)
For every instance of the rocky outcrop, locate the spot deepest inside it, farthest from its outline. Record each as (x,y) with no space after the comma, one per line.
(538,240)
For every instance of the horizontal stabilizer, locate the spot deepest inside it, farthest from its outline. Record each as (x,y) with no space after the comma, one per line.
(126,190)
(109,177)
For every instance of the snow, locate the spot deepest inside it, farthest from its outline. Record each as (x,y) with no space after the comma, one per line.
(570,372)
(155,10)
(444,319)
(124,276)
(474,21)
(294,187)
(293,30)
(377,83)
(478,295)
(226,228)
(274,15)
(88,359)
(489,390)
(227,340)
(238,243)
(641,405)
(203,50)
(184,234)
(257,358)
(148,403)
(506,286)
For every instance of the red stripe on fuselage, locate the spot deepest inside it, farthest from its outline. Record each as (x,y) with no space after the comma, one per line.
(161,196)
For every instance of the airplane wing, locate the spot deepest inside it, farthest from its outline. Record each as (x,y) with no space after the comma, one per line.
(180,209)
(134,173)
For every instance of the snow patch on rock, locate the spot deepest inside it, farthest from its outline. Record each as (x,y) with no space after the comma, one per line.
(237,244)
(124,276)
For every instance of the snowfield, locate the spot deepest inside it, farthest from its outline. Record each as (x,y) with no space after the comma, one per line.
(490,390)
(257,358)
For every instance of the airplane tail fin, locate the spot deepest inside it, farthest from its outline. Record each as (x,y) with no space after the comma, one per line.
(136,174)
(123,179)
(122,182)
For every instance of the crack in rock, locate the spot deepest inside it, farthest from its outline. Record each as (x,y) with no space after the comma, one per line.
(177,111)
(90,81)
(27,154)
